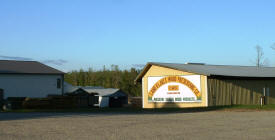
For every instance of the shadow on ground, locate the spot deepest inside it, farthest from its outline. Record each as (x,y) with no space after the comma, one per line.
(94,112)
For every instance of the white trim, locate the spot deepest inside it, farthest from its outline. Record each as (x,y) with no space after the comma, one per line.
(142,92)
(206,91)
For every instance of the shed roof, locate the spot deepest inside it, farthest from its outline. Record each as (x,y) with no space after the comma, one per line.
(26,67)
(69,88)
(215,70)
(105,91)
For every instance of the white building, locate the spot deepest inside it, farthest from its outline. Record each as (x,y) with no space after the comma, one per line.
(29,79)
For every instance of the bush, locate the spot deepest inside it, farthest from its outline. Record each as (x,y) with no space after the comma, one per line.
(37,103)
(63,102)
(135,102)
(56,102)
(16,102)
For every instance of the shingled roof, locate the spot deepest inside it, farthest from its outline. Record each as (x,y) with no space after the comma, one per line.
(26,67)
(215,70)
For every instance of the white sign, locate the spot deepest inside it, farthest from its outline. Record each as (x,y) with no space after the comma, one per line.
(174,89)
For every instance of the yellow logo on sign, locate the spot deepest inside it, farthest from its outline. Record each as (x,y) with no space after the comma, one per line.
(173,87)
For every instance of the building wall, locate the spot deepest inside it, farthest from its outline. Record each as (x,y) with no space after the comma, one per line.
(243,91)
(161,71)
(16,85)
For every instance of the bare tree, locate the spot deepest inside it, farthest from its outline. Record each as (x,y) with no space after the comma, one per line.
(260,56)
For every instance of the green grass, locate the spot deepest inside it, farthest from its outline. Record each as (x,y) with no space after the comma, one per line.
(161,110)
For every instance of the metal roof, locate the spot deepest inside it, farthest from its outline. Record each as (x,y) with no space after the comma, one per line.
(105,91)
(215,70)
(68,88)
(110,92)
(26,67)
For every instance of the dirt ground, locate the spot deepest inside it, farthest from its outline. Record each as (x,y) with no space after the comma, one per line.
(161,126)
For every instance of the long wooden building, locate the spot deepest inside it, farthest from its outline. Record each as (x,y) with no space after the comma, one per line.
(200,85)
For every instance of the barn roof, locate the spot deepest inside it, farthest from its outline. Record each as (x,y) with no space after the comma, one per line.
(26,67)
(215,70)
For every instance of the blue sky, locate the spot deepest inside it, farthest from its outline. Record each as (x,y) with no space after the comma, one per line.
(80,34)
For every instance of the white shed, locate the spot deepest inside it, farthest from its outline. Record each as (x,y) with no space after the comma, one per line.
(29,79)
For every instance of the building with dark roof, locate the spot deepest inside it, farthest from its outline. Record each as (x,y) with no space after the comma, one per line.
(99,96)
(29,79)
(201,85)
(26,67)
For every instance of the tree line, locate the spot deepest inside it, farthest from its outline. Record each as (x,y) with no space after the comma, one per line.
(107,78)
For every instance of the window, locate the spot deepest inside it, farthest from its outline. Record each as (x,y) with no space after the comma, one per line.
(58,83)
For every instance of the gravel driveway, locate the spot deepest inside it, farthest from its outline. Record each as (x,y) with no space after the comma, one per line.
(107,126)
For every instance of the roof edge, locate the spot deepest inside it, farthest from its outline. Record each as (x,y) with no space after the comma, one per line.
(149,64)
(199,72)
(59,71)
(53,70)
(142,73)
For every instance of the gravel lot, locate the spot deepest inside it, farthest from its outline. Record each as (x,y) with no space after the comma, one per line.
(114,126)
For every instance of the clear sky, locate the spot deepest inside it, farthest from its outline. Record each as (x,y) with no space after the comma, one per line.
(80,34)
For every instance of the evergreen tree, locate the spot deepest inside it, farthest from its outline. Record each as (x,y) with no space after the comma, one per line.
(108,78)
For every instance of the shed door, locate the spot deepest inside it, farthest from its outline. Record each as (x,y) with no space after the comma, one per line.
(96,99)
(266,95)
(115,102)
(93,100)
(1,94)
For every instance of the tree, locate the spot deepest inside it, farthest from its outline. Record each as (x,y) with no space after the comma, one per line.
(260,61)
(108,78)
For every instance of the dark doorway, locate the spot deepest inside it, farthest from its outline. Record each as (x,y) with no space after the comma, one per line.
(114,102)
(1,98)
(117,101)
(266,95)
(93,99)
(1,94)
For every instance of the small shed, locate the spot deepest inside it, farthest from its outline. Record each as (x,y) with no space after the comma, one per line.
(84,98)
(109,97)
(98,96)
